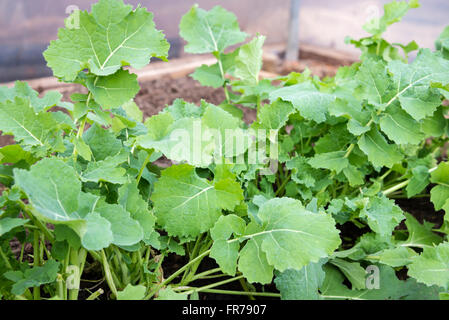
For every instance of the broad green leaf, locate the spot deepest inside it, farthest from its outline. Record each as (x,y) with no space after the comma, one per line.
(108,170)
(34,277)
(435,125)
(248,62)
(125,230)
(7,224)
(332,161)
(30,129)
(420,235)
(439,196)
(210,31)
(102,143)
(132,201)
(354,175)
(169,294)
(110,37)
(132,293)
(179,140)
(412,83)
(432,266)
(14,153)
(301,284)
(440,193)
(302,171)
(182,109)
(114,90)
(209,76)
(393,12)
(374,82)
(133,111)
(187,205)
(285,237)
(23,90)
(382,215)
(253,263)
(419,181)
(55,193)
(390,287)
(335,140)
(198,141)
(275,115)
(307,99)
(82,148)
(214,75)
(397,257)
(353,271)
(225,253)
(401,127)
(53,188)
(379,152)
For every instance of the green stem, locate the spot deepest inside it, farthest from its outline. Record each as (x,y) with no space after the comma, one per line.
(242,293)
(144,165)
(177,273)
(193,255)
(349,150)
(220,65)
(108,274)
(36,263)
(283,185)
(5,258)
(245,287)
(27,210)
(396,187)
(60,286)
(95,255)
(95,295)
(385,175)
(213,285)
(205,273)
(123,267)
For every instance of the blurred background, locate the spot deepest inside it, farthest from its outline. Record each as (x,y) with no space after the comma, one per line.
(27,26)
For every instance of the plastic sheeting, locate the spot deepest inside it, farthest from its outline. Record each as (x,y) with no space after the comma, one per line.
(27,26)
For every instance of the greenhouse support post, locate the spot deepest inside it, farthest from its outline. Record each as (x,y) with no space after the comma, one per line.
(292,53)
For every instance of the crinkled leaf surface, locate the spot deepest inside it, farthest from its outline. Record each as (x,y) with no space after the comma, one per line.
(187,205)
(54,191)
(382,215)
(432,266)
(33,277)
(289,237)
(30,129)
(104,43)
(379,151)
(307,99)
(248,62)
(114,90)
(301,284)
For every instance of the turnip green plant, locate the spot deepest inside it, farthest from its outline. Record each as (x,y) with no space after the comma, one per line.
(84,188)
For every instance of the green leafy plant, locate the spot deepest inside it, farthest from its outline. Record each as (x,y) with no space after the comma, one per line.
(313,215)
